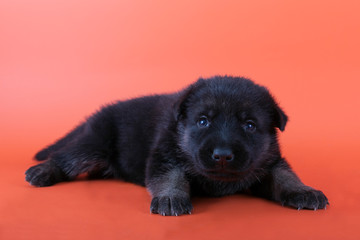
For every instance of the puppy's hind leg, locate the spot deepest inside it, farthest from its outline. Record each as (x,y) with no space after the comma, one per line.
(67,165)
(90,153)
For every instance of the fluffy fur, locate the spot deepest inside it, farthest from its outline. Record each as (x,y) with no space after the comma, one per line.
(214,138)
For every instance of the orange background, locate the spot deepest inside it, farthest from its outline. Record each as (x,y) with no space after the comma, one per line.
(62,59)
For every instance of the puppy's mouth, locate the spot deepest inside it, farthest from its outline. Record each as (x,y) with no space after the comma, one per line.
(228,172)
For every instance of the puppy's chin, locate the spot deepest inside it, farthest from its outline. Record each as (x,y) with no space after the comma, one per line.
(226,174)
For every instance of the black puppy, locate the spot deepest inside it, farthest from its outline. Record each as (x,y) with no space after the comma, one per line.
(216,137)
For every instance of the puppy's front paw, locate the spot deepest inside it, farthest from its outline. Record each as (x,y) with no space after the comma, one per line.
(171,206)
(308,199)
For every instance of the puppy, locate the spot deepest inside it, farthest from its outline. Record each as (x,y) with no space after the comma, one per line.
(214,138)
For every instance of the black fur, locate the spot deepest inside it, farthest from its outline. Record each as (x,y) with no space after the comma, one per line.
(216,137)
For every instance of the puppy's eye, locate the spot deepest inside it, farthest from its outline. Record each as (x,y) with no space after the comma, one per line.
(250,126)
(203,122)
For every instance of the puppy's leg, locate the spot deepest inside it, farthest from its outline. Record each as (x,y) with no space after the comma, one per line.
(171,193)
(90,152)
(282,185)
(67,164)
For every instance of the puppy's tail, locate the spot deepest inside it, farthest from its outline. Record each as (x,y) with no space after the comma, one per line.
(45,153)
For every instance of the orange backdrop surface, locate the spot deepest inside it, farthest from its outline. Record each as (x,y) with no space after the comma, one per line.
(61,60)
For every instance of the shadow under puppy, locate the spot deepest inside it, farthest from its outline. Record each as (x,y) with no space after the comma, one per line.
(214,138)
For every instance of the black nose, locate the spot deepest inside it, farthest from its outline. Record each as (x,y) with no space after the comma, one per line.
(222,155)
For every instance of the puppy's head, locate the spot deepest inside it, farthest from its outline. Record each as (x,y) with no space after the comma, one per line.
(227,127)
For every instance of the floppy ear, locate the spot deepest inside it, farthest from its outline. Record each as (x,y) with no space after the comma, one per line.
(280,118)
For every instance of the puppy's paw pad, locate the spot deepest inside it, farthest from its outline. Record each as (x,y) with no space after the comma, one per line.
(171,206)
(305,199)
